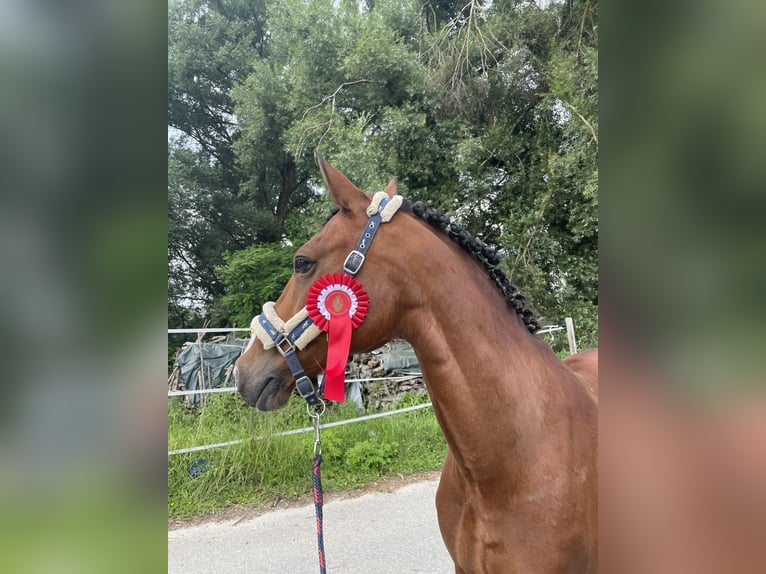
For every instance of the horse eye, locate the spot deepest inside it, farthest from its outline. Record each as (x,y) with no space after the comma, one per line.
(302,264)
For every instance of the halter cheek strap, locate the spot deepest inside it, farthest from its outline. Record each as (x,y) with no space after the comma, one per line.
(298,331)
(381,210)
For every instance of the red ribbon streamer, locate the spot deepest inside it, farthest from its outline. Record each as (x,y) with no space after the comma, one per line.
(338,344)
(337,304)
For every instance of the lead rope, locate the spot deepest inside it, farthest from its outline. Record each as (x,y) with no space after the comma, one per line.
(316,483)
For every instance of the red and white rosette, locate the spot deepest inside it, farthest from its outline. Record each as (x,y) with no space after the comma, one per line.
(337,304)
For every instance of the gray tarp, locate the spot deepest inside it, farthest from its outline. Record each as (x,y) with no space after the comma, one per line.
(216,359)
(399,357)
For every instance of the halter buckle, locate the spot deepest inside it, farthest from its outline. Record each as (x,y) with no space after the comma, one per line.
(353,262)
(306,390)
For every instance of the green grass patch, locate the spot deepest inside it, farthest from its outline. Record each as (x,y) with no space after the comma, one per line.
(260,471)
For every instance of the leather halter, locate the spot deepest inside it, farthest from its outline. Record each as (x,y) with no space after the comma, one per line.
(298,331)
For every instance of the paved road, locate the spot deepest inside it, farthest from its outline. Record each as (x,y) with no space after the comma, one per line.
(377,533)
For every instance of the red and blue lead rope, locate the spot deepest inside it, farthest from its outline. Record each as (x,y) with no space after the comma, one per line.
(316,481)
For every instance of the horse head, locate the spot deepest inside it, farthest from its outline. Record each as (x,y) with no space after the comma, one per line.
(264,379)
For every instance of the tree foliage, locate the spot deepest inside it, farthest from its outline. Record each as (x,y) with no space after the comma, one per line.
(485,110)
(219,201)
(252,276)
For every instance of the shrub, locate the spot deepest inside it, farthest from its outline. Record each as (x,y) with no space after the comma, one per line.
(371,455)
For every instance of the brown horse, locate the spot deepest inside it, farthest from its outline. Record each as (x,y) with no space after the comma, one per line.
(518,491)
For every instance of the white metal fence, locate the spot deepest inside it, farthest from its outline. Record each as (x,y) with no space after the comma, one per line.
(301,430)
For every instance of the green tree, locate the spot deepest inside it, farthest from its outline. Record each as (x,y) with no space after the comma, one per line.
(214,205)
(485,110)
(252,276)
(523,80)
(211,47)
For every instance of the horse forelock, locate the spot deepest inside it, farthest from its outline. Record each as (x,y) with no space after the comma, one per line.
(484,254)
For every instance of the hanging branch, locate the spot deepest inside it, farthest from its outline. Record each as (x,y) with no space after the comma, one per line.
(582,118)
(326,125)
(454,43)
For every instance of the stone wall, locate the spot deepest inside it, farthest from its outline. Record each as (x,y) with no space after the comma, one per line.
(381,394)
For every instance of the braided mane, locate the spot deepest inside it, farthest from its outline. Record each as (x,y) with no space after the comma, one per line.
(484,254)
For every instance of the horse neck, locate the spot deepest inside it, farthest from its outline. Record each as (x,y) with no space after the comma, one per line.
(496,389)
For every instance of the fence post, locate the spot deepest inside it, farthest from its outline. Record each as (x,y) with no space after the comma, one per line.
(201,385)
(571,335)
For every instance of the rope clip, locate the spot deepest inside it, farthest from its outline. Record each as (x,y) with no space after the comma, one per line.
(316,414)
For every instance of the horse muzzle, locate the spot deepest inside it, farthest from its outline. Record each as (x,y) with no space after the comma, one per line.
(266,388)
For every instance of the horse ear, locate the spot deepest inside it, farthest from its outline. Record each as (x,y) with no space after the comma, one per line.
(344,193)
(392,188)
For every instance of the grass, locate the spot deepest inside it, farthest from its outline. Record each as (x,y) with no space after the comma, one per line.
(260,471)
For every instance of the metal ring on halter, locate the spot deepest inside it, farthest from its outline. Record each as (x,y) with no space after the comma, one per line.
(318,412)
